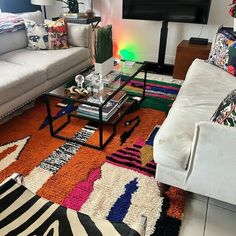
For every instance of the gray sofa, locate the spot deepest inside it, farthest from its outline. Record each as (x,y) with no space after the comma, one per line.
(26,74)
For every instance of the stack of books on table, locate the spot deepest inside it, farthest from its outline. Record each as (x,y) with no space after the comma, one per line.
(73,15)
(120,98)
(108,110)
(109,78)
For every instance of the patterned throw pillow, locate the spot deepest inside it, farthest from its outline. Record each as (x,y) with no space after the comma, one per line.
(226,112)
(223,52)
(37,35)
(51,35)
(58,34)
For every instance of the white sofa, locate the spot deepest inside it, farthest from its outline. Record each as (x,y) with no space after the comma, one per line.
(192,153)
(26,74)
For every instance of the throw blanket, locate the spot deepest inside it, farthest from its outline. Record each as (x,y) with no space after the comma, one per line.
(10,23)
(24,213)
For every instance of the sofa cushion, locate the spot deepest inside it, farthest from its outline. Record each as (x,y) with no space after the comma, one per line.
(36,16)
(203,89)
(78,35)
(54,62)
(16,40)
(17,79)
(12,41)
(226,112)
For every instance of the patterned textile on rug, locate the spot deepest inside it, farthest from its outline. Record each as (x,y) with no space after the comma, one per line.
(133,180)
(117,183)
(159,95)
(24,213)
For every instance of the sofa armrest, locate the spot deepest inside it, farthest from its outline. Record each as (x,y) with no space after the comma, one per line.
(80,35)
(212,166)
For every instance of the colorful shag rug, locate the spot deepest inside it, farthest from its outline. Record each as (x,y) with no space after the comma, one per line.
(117,183)
(159,95)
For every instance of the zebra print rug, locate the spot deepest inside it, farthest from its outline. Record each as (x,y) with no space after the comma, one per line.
(24,213)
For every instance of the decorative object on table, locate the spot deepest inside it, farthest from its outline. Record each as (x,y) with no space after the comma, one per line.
(103,47)
(232,12)
(89,13)
(43,3)
(72,5)
(96,84)
(223,53)
(79,79)
(75,92)
(129,64)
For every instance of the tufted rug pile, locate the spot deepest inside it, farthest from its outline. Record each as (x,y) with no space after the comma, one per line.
(117,183)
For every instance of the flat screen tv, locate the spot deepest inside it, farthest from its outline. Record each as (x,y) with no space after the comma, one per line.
(187,11)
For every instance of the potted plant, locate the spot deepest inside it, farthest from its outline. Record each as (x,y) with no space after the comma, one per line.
(72,5)
(103,47)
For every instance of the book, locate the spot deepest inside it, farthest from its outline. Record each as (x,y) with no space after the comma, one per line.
(108,108)
(119,97)
(73,15)
(129,64)
(122,101)
(96,116)
(113,75)
(106,92)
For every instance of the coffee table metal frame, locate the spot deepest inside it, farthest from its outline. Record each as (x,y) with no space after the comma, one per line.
(101,123)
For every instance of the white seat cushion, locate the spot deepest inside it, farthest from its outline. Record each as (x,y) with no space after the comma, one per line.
(17,79)
(203,90)
(54,62)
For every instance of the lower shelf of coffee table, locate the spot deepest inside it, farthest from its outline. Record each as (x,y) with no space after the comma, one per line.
(114,120)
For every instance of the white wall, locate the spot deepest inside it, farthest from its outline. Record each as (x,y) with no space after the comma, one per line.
(143,36)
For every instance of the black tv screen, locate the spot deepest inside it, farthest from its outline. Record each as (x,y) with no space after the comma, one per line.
(187,11)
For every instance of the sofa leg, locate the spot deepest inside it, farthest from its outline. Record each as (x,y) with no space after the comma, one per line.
(163,188)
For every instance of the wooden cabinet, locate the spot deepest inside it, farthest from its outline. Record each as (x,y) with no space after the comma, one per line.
(186,53)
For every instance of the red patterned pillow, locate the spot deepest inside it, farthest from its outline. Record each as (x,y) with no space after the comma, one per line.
(57,34)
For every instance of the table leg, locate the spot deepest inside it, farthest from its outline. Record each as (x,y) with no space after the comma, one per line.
(47,101)
(100,128)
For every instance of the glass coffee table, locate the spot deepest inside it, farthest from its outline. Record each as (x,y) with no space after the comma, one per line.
(105,108)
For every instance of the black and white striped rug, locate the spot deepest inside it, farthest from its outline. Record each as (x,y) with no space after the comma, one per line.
(24,213)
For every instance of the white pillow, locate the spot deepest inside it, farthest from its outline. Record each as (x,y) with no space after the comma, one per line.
(36,16)
(78,35)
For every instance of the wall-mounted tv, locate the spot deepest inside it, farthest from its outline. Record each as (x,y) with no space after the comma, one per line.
(187,11)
